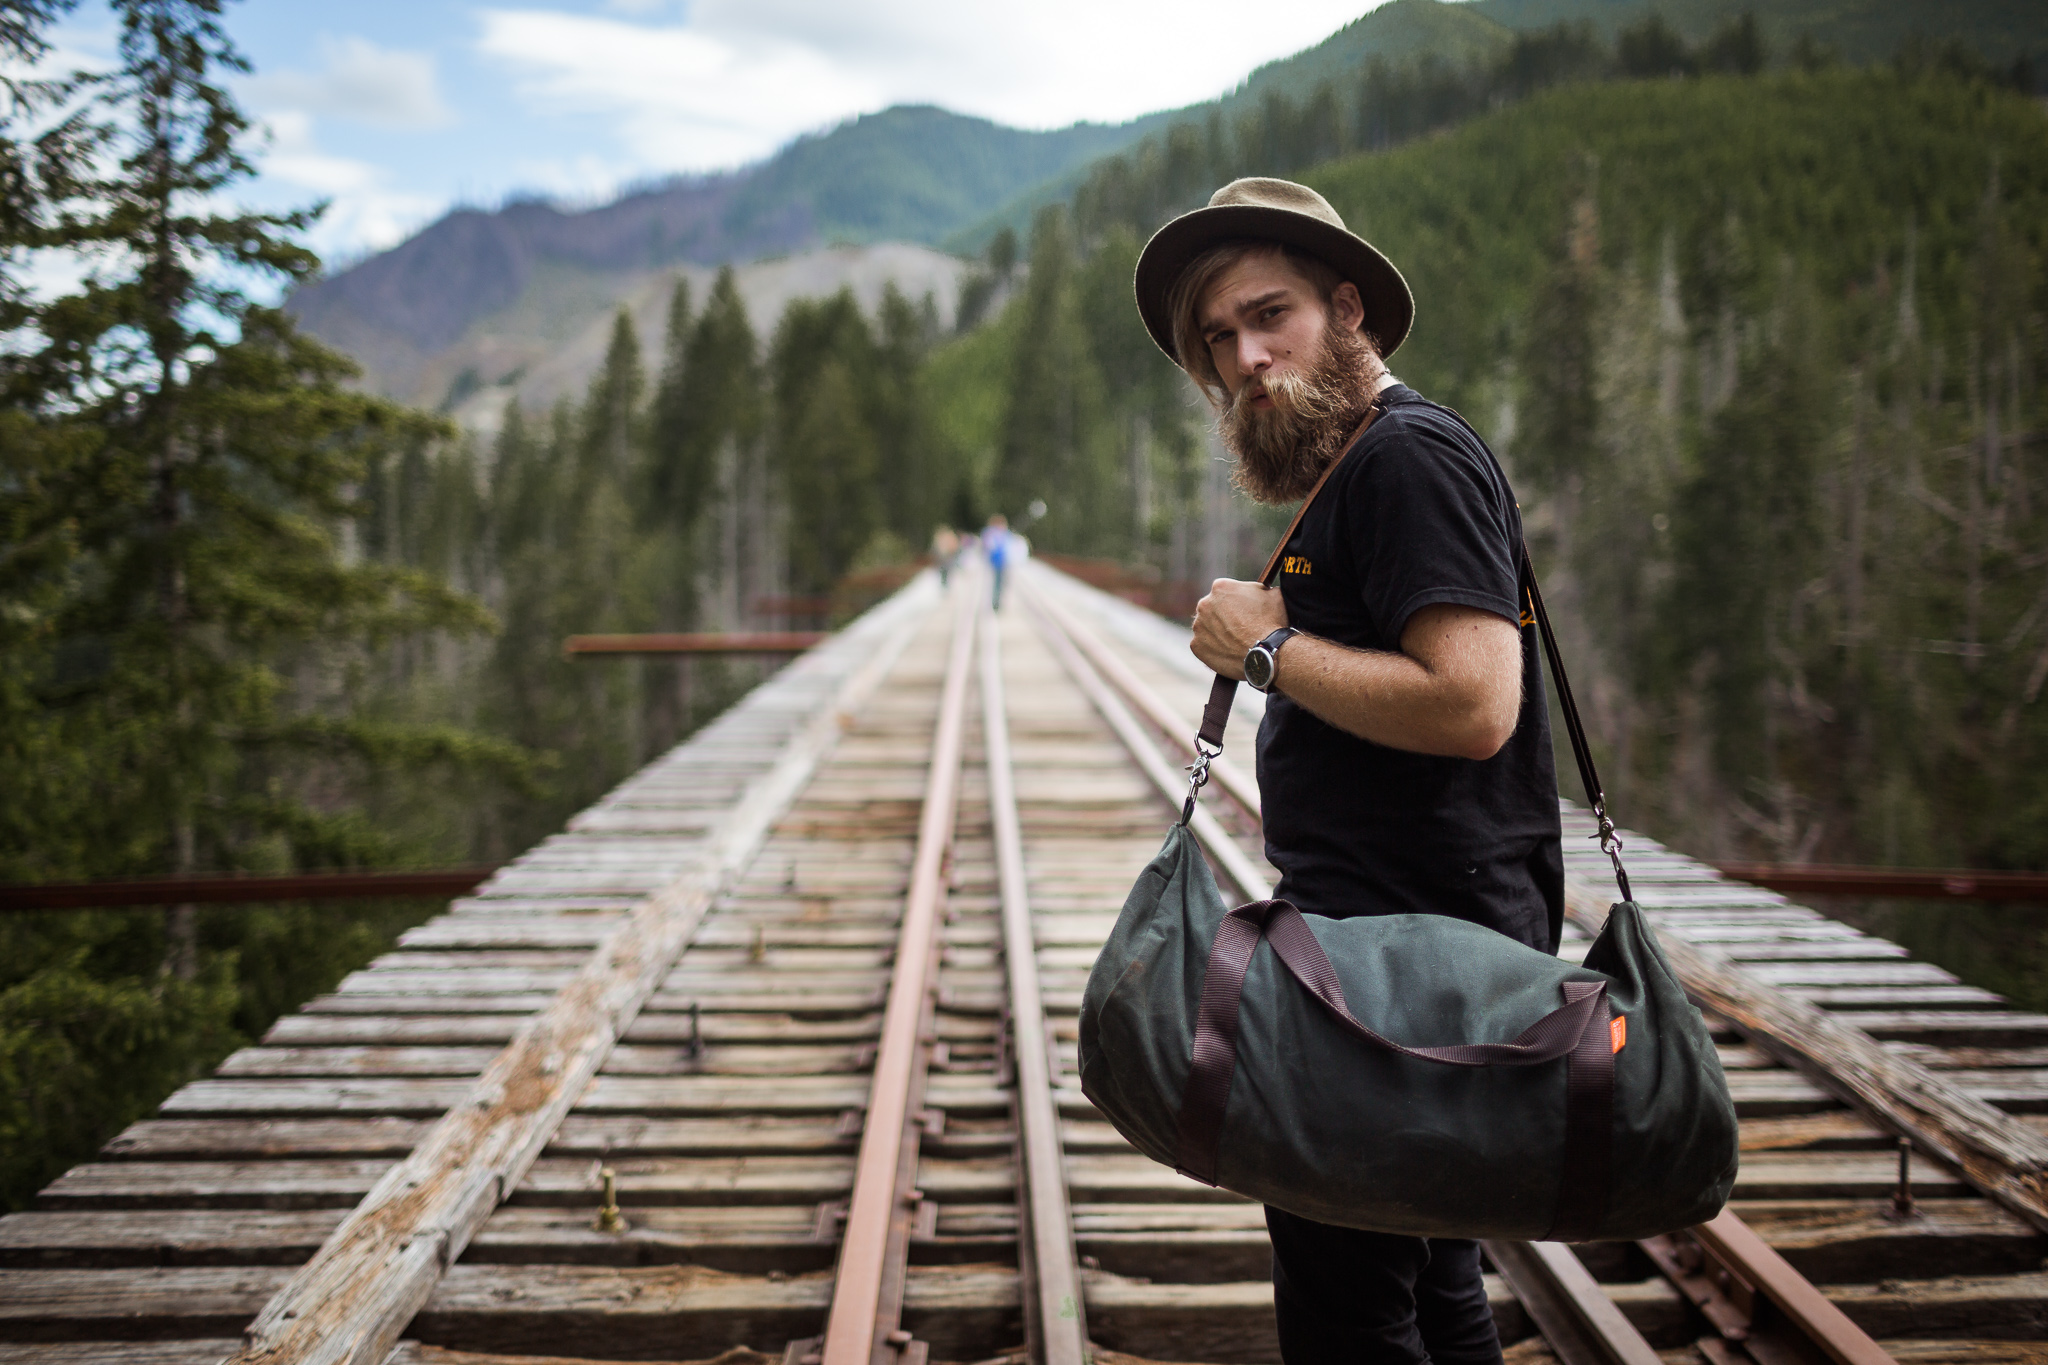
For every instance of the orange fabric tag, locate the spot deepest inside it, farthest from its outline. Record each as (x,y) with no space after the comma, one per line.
(1617,1031)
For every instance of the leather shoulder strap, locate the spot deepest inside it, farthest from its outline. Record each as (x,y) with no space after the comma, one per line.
(1223,691)
(1273,559)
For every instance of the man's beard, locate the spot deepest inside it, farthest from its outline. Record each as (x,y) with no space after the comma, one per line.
(1281,451)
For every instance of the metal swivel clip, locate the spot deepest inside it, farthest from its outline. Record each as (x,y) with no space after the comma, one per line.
(1198,776)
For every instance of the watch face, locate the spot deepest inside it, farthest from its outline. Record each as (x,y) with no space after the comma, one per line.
(1258,668)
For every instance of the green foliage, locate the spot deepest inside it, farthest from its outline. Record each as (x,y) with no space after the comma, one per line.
(87,1045)
(1775,340)
(196,664)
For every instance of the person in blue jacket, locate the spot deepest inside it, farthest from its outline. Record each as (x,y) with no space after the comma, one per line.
(995,544)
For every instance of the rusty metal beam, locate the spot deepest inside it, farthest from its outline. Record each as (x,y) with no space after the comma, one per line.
(1904,882)
(696,642)
(1047,1256)
(236,888)
(862,1327)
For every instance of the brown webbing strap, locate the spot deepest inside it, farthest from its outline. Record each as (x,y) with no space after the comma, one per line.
(1588,1126)
(1223,691)
(1579,1028)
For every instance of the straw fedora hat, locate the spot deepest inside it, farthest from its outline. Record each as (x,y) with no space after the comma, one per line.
(1282,212)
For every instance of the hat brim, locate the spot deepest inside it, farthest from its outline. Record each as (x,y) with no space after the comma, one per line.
(1389,306)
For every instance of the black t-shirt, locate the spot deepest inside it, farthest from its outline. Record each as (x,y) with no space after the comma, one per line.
(1418,513)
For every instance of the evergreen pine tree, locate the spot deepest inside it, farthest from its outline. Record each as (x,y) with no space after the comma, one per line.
(1056,446)
(182,469)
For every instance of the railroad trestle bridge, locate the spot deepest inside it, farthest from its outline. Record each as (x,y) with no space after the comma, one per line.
(769,1057)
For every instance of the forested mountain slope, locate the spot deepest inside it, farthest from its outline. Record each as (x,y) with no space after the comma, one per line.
(911,174)
(1768,359)
(1856,30)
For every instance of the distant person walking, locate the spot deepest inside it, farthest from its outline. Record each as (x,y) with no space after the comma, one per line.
(996,546)
(945,549)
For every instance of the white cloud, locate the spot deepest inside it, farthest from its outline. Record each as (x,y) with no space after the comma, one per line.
(364,212)
(360,81)
(737,78)
(688,100)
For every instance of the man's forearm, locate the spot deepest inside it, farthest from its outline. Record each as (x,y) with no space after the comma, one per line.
(1455,687)
(1387,698)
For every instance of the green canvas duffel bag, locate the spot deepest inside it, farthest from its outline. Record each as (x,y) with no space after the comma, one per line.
(1410,1074)
(1503,1110)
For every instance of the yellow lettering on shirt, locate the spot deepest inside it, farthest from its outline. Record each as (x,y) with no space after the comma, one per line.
(1296,564)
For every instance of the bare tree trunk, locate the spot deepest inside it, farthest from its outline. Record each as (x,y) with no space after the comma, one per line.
(181,922)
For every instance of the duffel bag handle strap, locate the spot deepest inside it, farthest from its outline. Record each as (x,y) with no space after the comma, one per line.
(1580,1028)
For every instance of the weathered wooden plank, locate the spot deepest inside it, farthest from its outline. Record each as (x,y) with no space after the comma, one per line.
(1763,1175)
(200,1352)
(97,1239)
(354,1298)
(1860,1240)
(417,1096)
(743,1240)
(728,1181)
(690,1310)
(1849,974)
(2009,1307)
(228,1139)
(452,982)
(357,1061)
(1837,1130)
(416,1353)
(735,1134)
(310,1184)
(390,1030)
(484,932)
(1824,950)
(1952,1028)
(514,1004)
(1897,997)
(153,1301)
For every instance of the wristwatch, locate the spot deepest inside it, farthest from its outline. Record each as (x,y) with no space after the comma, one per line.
(1258,660)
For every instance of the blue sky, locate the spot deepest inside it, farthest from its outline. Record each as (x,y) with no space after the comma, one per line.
(396,110)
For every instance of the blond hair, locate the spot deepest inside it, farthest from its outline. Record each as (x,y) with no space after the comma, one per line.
(1189,348)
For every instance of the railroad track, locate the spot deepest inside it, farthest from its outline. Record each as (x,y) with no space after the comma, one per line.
(774,1048)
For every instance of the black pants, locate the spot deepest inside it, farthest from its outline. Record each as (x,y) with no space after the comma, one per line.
(1372,1298)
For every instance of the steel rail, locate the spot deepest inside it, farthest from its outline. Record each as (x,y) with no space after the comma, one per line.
(1233,861)
(1541,1266)
(862,1327)
(1046,1255)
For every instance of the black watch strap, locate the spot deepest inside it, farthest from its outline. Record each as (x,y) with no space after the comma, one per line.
(1270,647)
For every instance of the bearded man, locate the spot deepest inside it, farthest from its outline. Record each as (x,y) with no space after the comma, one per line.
(1404,761)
